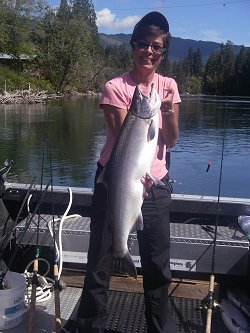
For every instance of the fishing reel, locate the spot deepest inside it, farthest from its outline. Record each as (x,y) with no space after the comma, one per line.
(209,303)
(4,285)
(58,284)
(7,164)
(43,287)
(3,175)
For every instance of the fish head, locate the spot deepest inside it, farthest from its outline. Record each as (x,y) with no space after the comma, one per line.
(143,106)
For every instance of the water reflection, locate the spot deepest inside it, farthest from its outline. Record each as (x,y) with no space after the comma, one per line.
(203,123)
(70,132)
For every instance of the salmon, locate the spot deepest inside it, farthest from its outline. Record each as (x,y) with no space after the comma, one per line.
(130,160)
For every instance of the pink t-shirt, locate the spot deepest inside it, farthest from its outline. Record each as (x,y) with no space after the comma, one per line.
(119,92)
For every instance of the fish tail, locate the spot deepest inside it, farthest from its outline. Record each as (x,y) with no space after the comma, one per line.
(105,263)
(124,265)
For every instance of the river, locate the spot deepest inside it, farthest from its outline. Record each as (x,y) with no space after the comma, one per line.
(68,134)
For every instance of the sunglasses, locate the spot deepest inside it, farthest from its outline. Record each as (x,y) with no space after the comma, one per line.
(141,44)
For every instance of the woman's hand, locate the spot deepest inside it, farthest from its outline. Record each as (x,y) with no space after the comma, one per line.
(147,182)
(170,116)
(167,102)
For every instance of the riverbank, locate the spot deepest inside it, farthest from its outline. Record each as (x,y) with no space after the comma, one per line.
(27,96)
(30,96)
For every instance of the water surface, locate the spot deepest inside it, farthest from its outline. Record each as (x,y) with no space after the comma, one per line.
(70,133)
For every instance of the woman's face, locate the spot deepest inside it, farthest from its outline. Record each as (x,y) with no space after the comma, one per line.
(147,54)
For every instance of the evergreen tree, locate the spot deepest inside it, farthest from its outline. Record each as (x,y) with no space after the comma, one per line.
(84,9)
(17,25)
(66,43)
(70,44)
(189,62)
(165,67)
(245,78)
(219,71)
(210,77)
(197,63)
(227,62)
(4,27)
(242,73)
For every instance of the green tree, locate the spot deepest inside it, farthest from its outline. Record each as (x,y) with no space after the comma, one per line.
(189,62)
(242,73)
(17,25)
(227,62)
(197,63)
(220,71)
(4,27)
(84,10)
(70,44)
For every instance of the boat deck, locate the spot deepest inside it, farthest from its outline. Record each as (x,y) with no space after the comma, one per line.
(191,245)
(125,312)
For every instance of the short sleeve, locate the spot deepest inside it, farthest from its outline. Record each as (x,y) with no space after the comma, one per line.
(113,95)
(174,87)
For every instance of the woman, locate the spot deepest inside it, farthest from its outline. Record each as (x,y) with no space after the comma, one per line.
(149,42)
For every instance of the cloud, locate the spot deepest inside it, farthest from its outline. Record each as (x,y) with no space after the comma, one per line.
(211,35)
(215,36)
(108,22)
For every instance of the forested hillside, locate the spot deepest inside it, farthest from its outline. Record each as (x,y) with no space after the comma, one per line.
(179,47)
(61,50)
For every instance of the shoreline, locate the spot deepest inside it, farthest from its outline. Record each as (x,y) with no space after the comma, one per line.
(30,96)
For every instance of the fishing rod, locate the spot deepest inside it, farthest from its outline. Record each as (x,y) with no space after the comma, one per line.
(57,285)
(8,236)
(210,298)
(3,178)
(57,289)
(35,282)
(2,276)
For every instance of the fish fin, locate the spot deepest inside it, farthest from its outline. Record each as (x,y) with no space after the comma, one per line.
(151,132)
(156,181)
(139,222)
(124,265)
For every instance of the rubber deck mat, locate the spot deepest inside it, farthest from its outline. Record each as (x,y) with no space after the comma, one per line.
(126,315)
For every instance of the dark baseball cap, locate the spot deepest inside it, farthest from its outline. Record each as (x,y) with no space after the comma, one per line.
(152,18)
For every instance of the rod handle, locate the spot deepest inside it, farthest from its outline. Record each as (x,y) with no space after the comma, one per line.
(58,322)
(209,321)
(210,303)
(32,309)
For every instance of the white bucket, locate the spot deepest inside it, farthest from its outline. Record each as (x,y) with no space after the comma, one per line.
(12,305)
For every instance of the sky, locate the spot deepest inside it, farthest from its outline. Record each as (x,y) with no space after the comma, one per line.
(207,20)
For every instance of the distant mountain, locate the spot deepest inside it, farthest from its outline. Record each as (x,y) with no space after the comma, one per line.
(178,46)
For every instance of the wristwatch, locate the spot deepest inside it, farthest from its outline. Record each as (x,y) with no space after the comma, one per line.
(168,110)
